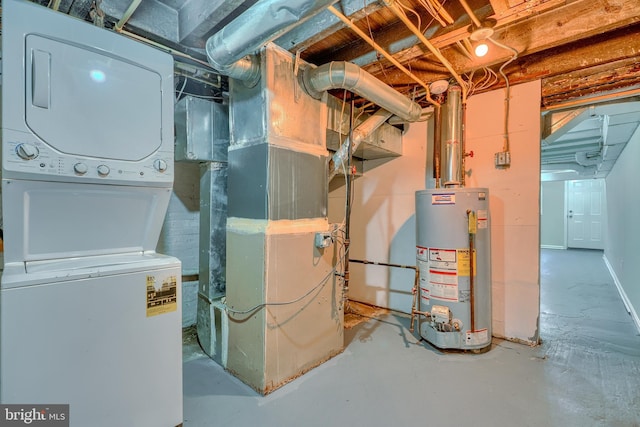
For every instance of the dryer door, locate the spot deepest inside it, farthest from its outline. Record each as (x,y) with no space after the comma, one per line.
(111,106)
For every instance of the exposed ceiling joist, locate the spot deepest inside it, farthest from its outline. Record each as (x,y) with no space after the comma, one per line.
(325,24)
(566,24)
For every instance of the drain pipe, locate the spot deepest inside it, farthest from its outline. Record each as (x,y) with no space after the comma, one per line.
(227,50)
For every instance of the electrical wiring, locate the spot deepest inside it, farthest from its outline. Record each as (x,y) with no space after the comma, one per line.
(409,9)
(507,90)
(319,286)
(195,95)
(181,90)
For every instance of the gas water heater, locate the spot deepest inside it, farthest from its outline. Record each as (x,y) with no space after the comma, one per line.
(453,252)
(453,260)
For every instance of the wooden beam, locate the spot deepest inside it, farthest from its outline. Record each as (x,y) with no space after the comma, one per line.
(442,40)
(500,6)
(325,24)
(602,78)
(394,37)
(566,24)
(600,63)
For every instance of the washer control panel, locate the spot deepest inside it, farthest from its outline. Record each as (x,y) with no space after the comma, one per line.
(25,157)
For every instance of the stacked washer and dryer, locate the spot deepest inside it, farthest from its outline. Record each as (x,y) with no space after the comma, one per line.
(90,314)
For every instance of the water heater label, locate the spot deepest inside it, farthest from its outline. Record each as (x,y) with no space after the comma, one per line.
(477,337)
(421,253)
(443,274)
(442,258)
(443,284)
(162,295)
(443,199)
(483,218)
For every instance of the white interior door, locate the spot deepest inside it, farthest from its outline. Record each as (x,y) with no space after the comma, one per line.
(586,214)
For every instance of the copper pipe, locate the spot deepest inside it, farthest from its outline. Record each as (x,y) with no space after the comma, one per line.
(414,291)
(471,274)
(403,17)
(383,52)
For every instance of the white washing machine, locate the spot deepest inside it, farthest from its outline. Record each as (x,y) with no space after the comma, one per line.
(90,315)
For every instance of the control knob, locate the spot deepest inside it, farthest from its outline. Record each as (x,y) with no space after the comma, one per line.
(103,170)
(80,168)
(160,165)
(27,151)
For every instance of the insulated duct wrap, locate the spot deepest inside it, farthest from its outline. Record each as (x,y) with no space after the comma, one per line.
(345,75)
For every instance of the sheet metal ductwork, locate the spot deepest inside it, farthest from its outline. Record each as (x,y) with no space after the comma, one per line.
(263,22)
(345,75)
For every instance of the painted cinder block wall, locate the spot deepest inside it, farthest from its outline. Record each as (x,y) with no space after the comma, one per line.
(383,221)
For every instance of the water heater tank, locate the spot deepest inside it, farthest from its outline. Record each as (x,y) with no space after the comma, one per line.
(453,252)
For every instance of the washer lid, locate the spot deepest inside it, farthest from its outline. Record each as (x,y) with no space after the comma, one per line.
(113,106)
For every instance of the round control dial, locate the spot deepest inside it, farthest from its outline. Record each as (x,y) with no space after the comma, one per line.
(27,151)
(80,168)
(103,170)
(160,165)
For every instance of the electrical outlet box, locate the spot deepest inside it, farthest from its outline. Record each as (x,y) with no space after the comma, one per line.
(503,159)
(323,240)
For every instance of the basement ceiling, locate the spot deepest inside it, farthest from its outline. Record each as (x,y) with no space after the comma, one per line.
(577,48)
(585,142)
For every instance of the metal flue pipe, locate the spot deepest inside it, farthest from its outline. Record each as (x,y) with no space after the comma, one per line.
(261,23)
(345,75)
(452,138)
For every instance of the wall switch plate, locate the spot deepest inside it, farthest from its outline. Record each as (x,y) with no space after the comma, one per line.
(503,159)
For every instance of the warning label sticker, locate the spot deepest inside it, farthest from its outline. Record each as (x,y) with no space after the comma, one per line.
(443,274)
(442,258)
(464,266)
(421,253)
(423,269)
(444,285)
(162,295)
(483,218)
(478,337)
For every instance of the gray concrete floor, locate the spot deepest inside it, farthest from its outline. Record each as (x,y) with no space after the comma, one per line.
(586,372)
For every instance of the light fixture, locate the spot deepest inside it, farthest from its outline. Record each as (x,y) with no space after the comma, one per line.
(480,34)
(481,49)
(438,87)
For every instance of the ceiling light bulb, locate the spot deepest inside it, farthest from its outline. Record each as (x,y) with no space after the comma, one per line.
(481,50)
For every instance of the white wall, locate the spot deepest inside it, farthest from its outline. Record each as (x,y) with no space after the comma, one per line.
(552,217)
(514,204)
(383,221)
(623,208)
